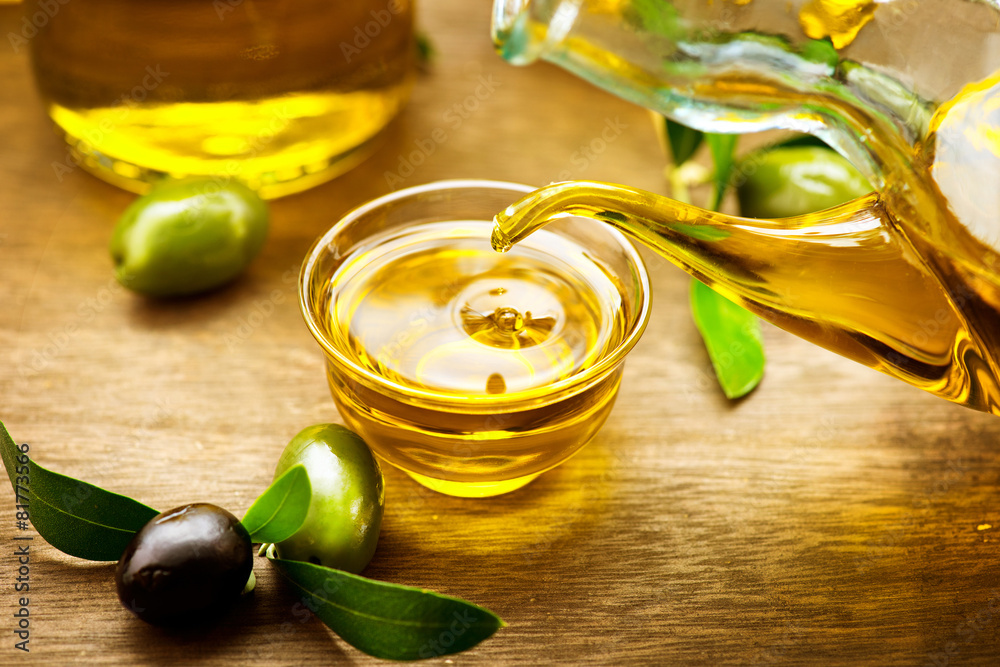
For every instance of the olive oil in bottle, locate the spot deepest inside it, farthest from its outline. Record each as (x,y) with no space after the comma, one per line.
(281,94)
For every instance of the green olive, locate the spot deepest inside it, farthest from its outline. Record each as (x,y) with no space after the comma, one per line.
(345,513)
(794,180)
(188,236)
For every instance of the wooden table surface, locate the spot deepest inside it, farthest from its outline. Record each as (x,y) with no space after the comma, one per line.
(835,516)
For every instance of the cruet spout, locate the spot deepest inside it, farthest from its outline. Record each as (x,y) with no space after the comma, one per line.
(843,278)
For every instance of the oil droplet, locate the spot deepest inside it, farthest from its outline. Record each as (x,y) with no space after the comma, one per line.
(984,526)
(840,20)
(508,320)
(495,384)
(506,327)
(498,240)
(499,291)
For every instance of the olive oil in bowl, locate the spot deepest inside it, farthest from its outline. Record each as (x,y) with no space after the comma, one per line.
(471,370)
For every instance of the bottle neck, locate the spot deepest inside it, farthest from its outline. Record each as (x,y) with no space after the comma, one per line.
(707,73)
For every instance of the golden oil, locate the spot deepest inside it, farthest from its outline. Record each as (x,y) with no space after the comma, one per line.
(840,20)
(906,281)
(281,94)
(436,309)
(476,353)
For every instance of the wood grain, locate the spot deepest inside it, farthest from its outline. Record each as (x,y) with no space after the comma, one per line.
(833,517)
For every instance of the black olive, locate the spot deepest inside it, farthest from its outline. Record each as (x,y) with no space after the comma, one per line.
(185,565)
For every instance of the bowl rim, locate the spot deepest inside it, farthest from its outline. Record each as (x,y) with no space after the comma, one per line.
(554,391)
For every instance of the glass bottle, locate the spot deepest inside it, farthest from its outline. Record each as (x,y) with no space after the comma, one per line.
(281,94)
(905,280)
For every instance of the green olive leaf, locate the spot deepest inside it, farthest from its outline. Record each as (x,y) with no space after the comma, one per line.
(281,510)
(796,140)
(425,48)
(703,232)
(821,51)
(723,148)
(388,620)
(723,324)
(682,141)
(77,518)
(732,337)
(657,18)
